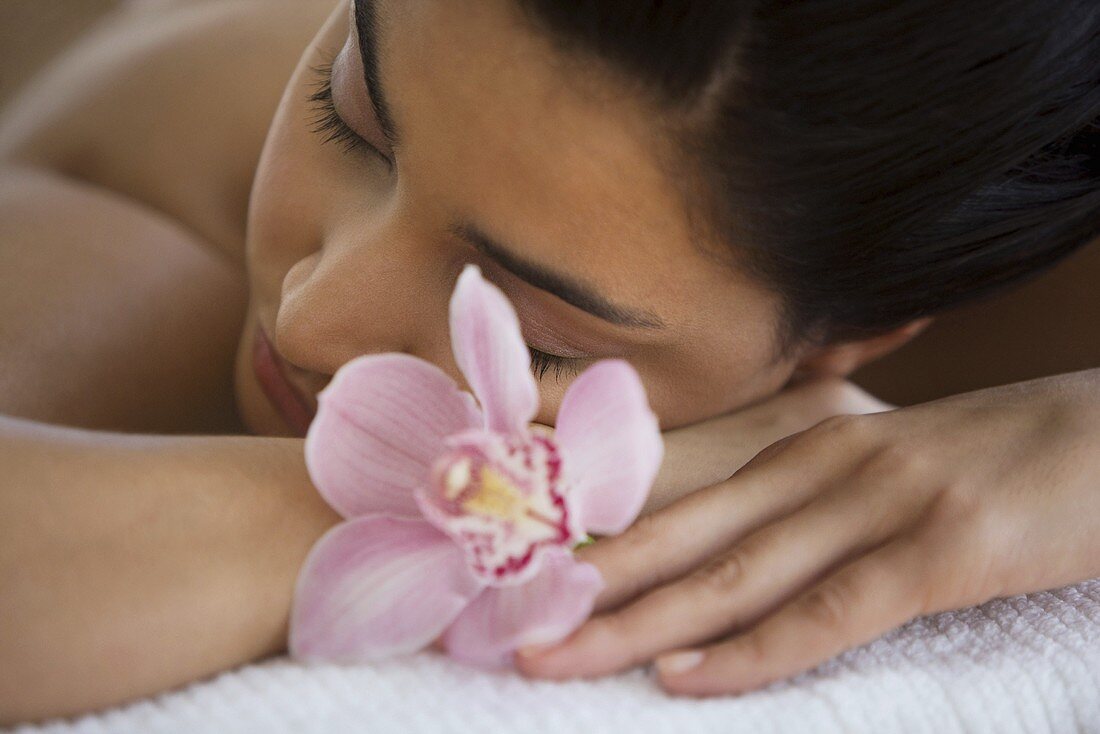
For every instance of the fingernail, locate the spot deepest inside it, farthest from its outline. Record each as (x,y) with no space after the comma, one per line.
(679,662)
(528,651)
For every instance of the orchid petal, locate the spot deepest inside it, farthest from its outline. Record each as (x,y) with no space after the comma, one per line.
(611,443)
(490,351)
(544,610)
(377,586)
(380,425)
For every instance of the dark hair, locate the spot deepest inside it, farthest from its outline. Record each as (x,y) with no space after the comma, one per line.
(875,160)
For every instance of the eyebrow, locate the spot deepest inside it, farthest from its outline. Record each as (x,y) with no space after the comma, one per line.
(366,28)
(565,287)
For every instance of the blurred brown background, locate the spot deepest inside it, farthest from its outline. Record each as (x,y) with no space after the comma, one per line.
(1049,326)
(32,31)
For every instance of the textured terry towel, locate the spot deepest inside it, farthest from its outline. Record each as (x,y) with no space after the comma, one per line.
(1023,664)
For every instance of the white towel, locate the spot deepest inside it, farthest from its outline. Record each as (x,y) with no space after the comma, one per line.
(1025,664)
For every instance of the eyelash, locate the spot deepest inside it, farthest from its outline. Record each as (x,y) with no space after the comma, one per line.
(327,121)
(333,129)
(541,363)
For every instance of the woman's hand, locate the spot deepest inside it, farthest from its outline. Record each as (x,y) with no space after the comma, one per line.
(837,534)
(704,453)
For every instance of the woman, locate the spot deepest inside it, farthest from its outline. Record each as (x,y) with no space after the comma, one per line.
(747,201)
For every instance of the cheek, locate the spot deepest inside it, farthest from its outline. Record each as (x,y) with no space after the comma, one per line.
(284,218)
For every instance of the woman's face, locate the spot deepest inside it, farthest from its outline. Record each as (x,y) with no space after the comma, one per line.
(535,165)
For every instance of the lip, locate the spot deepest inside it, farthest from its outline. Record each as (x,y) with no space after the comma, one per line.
(269,368)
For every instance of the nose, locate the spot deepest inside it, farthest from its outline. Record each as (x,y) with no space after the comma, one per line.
(341,302)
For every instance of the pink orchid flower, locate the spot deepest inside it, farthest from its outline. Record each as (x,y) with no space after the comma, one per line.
(460,520)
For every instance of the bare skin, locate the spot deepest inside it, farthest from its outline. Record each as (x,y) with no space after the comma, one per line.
(129,303)
(123,309)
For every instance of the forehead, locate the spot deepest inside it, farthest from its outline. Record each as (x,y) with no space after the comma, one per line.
(554,154)
(526,139)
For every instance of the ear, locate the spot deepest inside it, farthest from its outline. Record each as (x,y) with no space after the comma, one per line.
(842,359)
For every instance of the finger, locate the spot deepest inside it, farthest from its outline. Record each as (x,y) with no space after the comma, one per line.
(836,440)
(855,605)
(728,591)
(669,543)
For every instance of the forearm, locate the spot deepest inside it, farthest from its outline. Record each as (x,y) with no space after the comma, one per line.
(132,564)
(706,453)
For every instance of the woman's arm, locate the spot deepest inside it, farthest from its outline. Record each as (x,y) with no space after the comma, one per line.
(132,564)
(709,452)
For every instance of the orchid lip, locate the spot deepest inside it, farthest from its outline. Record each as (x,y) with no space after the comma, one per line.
(503,499)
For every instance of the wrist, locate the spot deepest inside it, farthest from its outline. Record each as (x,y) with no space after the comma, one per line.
(291,527)
(279,515)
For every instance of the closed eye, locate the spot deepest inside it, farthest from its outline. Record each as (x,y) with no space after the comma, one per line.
(327,121)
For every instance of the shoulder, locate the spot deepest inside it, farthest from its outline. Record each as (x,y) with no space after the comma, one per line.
(112,317)
(167,102)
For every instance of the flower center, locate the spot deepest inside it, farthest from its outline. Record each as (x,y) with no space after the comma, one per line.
(502,499)
(490,494)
